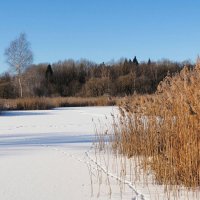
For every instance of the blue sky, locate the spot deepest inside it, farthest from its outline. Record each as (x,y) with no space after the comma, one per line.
(102,30)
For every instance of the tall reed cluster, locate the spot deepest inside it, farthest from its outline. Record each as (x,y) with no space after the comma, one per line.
(164,129)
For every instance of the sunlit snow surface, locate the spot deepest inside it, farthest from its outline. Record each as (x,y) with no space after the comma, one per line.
(43,156)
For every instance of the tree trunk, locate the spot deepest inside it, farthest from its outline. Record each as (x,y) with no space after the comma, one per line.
(20,87)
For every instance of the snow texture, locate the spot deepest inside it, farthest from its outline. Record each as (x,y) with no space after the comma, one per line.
(49,155)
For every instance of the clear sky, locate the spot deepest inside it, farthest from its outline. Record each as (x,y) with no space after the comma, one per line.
(102,30)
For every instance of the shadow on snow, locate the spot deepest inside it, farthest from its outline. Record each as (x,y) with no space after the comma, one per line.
(22,113)
(43,139)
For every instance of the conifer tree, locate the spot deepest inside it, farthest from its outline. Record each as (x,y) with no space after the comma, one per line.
(49,72)
(149,62)
(135,61)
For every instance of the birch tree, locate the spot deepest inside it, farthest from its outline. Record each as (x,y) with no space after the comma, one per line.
(19,56)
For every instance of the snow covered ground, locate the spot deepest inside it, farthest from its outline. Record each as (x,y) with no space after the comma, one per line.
(43,155)
(47,155)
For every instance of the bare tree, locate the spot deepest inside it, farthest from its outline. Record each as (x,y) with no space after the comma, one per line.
(19,56)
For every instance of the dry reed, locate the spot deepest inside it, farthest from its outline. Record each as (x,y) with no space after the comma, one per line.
(162,131)
(41,103)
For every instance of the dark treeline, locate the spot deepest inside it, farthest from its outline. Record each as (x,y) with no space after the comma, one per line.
(84,78)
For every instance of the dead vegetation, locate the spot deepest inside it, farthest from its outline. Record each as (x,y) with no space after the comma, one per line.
(162,131)
(41,103)
(166,128)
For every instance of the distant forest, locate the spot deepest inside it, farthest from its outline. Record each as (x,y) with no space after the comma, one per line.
(88,79)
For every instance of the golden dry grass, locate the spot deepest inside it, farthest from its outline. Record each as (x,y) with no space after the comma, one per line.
(164,129)
(48,103)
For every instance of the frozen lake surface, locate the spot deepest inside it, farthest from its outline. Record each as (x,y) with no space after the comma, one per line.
(43,154)
(47,155)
